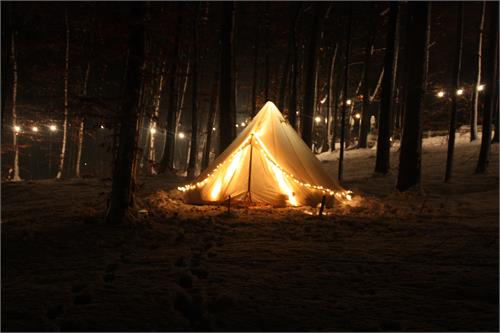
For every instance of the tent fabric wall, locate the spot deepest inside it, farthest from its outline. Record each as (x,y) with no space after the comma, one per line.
(283,169)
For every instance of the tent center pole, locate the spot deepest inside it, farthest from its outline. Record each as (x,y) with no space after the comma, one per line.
(250,170)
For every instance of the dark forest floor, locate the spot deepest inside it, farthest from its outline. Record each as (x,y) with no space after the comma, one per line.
(416,261)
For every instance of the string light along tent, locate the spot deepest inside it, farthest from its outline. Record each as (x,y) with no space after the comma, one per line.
(267,163)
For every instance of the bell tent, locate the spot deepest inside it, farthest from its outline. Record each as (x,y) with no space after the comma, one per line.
(267,163)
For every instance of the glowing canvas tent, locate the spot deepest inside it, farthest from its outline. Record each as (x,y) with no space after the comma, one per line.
(267,163)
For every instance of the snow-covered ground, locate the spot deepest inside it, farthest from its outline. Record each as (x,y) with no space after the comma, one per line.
(423,260)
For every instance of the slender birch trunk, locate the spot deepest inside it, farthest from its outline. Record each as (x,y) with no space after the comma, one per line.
(65,125)
(330,119)
(16,177)
(475,94)
(153,122)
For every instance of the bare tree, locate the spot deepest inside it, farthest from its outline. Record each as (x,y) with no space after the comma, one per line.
(227,117)
(122,191)
(309,105)
(211,117)
(491,79)
(193,153)
(382,164)
(411,143)
(65,125)
(456,85)
(255,71)
(345,94)
(475,93)
(13,59)
(364,125)
(294,70)
(329,117)
(168,150)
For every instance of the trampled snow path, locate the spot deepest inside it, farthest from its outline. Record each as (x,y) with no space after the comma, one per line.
(391,261)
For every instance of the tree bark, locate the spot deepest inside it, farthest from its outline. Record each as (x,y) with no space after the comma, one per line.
(344,97)
(364,124)
(411,144)
(382,164)
(255,72)
(227,119)
(329,120)
(65,125)
(476,93)
(211,118)
(286,68)
(292,113)
(266,55)
(123,184)
(194,99)
(13,58)
(153,121)
(491,79)
(496,122)
(456,85)
(309,104)
(166,161)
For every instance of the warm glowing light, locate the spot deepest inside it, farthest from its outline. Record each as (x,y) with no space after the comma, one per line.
(317,119)
(326,120)
(297,113)
(357,116)
(348,197)
(480,87)
(243,124)
(213,129)
(283,185)
(17,129)
(440,94)
(214,194)
(237,125)
(53,128)
(102,126)
(181,135)
(460,92)
(232,167)
(348,102)
(34,129)
(324,99)
(152,130)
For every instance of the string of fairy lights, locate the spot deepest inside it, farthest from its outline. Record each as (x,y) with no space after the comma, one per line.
(345,194)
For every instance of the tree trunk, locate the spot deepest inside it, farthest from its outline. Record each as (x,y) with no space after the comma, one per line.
(194,99)
(329,120)
(456,85)
(13,58)
(382,164)
(266,55)
(364,124)
(286,68)
(496,122)
(6,13)
(255,72)
(180,105)
(82,123)
(345,90)
(292,113)
(153,122)
(168,150)
(123,185)
(411,143)
(306,119)
(227,119)
(211,118)
(491,80)
(65,125)
(475,93)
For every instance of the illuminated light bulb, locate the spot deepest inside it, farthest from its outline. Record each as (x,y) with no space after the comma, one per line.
(317,119)
(237,125)
(17,128)
(460,92)
(297,112)
(348,197)
(213,129)
(357,116)
(181,135)
(34,129)
(243,124)
(480,87)
(348,102)
(152,130)
(102,126)
(326,121)
(440,94)
(53,128)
